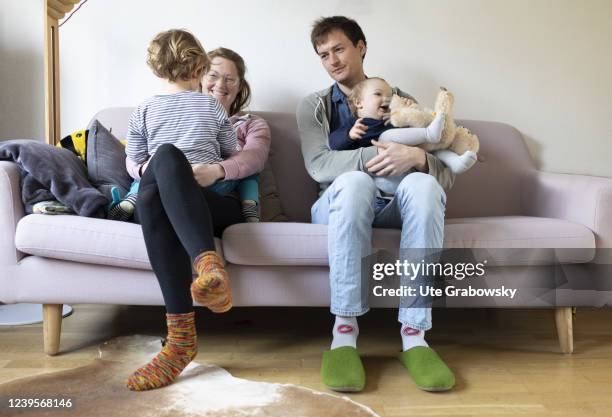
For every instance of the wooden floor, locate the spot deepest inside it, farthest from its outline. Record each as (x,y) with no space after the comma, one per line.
(507,362)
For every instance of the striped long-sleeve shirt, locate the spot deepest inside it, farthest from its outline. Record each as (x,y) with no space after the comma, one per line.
(195,123)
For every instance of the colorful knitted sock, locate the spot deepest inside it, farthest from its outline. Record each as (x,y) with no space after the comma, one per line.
(211,288)
(180,349)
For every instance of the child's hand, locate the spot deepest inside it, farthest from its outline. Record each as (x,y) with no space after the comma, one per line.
(358,130)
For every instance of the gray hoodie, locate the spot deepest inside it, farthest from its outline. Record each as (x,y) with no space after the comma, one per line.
(324,164)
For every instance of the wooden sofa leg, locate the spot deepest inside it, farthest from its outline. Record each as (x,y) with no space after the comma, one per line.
(52,327)
(565,328)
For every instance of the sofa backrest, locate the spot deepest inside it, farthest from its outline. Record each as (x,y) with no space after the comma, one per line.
(491,188)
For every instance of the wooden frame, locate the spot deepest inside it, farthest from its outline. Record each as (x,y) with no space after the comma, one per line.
(564,318)
(55,10)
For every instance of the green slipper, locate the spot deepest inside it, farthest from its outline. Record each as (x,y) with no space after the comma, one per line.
(342,370)
(427,369)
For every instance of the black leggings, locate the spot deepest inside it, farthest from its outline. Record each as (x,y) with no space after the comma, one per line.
(179,221)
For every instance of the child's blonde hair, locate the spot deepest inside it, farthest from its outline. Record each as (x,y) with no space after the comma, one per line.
(357,91)
(177,55)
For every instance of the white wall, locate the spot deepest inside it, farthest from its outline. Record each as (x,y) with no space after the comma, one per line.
(541,65)
(22,99)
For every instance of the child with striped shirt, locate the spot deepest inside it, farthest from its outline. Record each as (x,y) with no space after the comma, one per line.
(169,137)
(195,123)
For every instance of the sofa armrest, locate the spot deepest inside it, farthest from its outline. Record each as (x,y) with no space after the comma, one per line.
(578,198)
(11,211)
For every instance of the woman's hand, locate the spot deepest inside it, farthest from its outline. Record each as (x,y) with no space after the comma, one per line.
(207,174)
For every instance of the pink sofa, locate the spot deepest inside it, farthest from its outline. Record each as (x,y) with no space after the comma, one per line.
(501,203)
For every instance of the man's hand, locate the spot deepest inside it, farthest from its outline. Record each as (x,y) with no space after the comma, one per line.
(207,174)
(358,130)
(396,159)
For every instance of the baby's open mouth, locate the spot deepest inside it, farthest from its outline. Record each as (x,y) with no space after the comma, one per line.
(384,108)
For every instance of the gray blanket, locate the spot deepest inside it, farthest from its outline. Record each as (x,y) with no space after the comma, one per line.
(51,173)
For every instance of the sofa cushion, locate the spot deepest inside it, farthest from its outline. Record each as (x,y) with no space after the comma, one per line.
(87,240)
(106,160)
(306,244)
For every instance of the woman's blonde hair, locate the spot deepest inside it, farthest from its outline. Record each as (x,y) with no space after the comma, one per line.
(244,94)
(177,55)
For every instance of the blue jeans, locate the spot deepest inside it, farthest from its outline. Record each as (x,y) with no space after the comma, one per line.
(348,206)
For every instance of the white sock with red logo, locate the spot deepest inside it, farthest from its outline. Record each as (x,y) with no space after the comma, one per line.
(412,337)
(345,332)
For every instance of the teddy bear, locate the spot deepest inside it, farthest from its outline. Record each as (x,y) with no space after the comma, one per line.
(456,139)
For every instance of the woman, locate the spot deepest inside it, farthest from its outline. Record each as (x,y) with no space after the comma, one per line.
(180,222)
(225,81)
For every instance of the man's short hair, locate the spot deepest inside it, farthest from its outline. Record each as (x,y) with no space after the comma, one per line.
(322,27)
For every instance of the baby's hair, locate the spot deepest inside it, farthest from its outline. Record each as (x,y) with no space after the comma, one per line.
(357,91)
(177,55)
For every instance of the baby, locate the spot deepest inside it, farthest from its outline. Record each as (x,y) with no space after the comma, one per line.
(369,104)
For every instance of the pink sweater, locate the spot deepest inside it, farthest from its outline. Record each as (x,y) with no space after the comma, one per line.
(253,134)
(254,138)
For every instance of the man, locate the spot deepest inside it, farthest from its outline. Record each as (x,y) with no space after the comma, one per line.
(349,205)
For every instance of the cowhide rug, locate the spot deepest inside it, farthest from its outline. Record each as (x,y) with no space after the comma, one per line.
(201,390)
